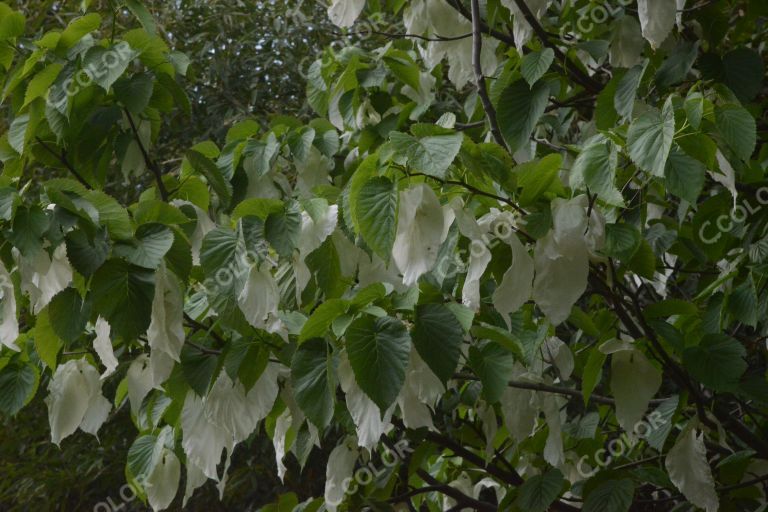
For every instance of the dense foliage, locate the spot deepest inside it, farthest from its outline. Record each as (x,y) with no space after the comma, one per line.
(515,259)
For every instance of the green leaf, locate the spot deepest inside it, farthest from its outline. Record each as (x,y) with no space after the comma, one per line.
(535,64)
(621,241)
(403,67)
(650,139)
(718,361)
(11,22)
(494,365)
(39,85)
(313,382)
(155,210)
(87,252)
(378,350)
(29,225)
(377,215)
(626,90)
(537,176)
(738,129)
(257,207)
(743,305)
(437,336)
(152,243)
(122,294)
(282,229)
(743,72)
(669,307)
(111,214)
(9,200)
(18,385)
(107,65)
(47,343)
(142,14)
(676,67)
(694,108)
(644,261)
(77,29)
(595,168)
(258,156)
(212,173)
(68,314)
(431,155)
(518,111)
(610,496)
(540,491)
(135,92)
(593,372)
(321,319)
(684,176)
(325,266)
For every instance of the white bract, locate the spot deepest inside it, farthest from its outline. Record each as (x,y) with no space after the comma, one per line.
(421,230)
(9,323)
(689,470)
(75,400)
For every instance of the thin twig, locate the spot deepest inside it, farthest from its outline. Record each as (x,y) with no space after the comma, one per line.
(584,80)
(391,35)
(482,91)
(63,159)
(147,159)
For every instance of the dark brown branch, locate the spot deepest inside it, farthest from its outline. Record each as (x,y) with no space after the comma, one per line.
(460,497)
(62,158)
(482,91)
(399,35)
(576,393)
(147,159)
(569,66)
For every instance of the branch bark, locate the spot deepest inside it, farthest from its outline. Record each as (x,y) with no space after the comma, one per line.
(482,91)
(147,159)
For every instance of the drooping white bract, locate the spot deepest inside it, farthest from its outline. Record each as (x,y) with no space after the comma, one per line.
(203,226)
(140,382)
(282,425)
(166,329)
(42,277)
(314,231)
(102,344)
(343,13)
(341,465)
(551,404)
(420,232)
(438,19)
(634,381)
(421,390)
(75,400)
(162,483)
(479,258)
(554,352)
(657,18)
(312,172)
(561,260)
(517,284)
(369,424)
(224,418)
(260,297)
(521,29)
(689,470)
(9,324)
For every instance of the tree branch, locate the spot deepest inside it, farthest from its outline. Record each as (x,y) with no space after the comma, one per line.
(147,159)
(482,91)
(63,159)
(569,66)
